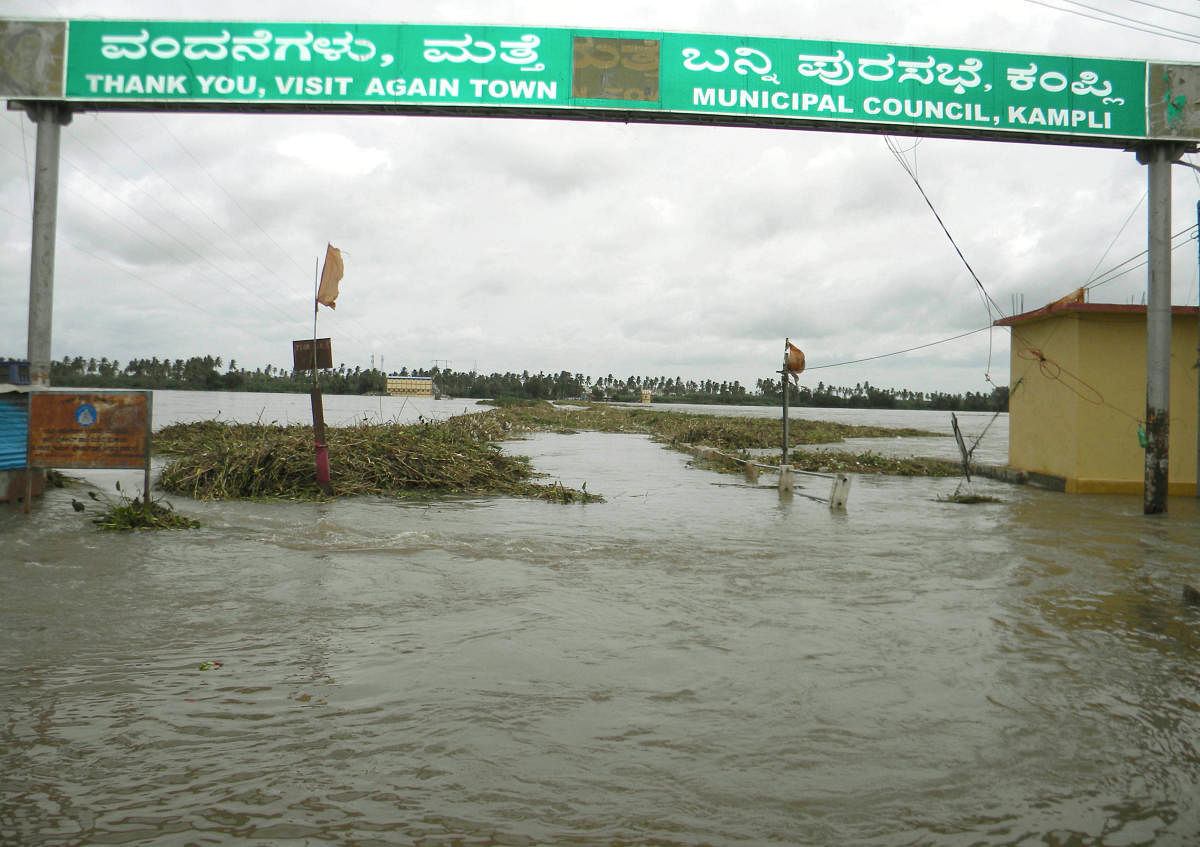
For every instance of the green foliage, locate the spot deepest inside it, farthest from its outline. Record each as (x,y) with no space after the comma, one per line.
(131,513)
(203,373)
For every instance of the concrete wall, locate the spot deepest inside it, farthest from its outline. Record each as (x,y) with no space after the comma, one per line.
(1076,414)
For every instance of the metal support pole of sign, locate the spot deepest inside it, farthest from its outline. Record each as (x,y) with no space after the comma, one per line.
(28,464)
(783,382)
(149,435)
(1158,158)
(1198,362)
(50,117)
(320,447)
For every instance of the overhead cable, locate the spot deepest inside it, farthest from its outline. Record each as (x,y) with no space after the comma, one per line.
(1159,31)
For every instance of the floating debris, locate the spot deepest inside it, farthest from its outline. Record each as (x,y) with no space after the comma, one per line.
(130,513)
(687,428)
(214,460)
(223,461)
(969,499)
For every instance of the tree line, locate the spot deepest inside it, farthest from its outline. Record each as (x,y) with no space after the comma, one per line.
(210,373)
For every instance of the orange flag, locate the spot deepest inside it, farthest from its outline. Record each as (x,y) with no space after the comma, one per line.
(331,275)
(793,360)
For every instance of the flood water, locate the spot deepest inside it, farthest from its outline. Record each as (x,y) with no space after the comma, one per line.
(694,661)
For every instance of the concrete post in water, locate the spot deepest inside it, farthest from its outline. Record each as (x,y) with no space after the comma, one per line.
(787,481)
(1158,157)
(839,492)
(751,472)
(50,117)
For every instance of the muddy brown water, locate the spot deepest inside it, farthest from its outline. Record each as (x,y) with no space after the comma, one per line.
(693,661)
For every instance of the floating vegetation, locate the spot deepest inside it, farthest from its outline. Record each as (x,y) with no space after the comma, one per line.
(133,513)
(831,462)
(57,479)
(969,499)
(220,461)
(213,460)
(835,461)
(726,433)
(965,494)
(723,462)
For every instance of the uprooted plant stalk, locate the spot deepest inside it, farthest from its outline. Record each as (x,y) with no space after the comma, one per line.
(131,513)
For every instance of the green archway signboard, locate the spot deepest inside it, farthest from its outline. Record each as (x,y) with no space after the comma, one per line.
(596,75)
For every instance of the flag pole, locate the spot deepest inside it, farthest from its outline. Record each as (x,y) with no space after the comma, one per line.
(316,307)
(320,447)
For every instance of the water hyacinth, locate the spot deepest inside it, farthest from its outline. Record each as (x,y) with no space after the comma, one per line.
(212,460)
(219,461)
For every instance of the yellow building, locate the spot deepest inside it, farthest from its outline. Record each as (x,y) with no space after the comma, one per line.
(1077,397)
(409,386)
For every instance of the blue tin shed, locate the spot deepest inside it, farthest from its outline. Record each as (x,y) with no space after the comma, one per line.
(14,429)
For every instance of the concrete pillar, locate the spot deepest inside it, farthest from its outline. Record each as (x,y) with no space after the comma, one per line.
(787,481)
(1158,158)
(50,117)
(839,492)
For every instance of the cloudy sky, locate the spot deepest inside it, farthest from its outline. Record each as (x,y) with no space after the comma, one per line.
(597,248)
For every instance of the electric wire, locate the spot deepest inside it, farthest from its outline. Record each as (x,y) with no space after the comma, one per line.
(84,173)
(1050,368)
(900,352)
(363,332)
(156,225)
(105,260)
(124,270)
(180,193)
(25,165)
(213,247)
(1158,31)
(1109,248)
(988,302)
(1183,238)
(1095,281)
(1166,9)
(232,199)
(1163,29)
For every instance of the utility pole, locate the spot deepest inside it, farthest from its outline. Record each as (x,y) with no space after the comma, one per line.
(50,117)
(1158,158)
